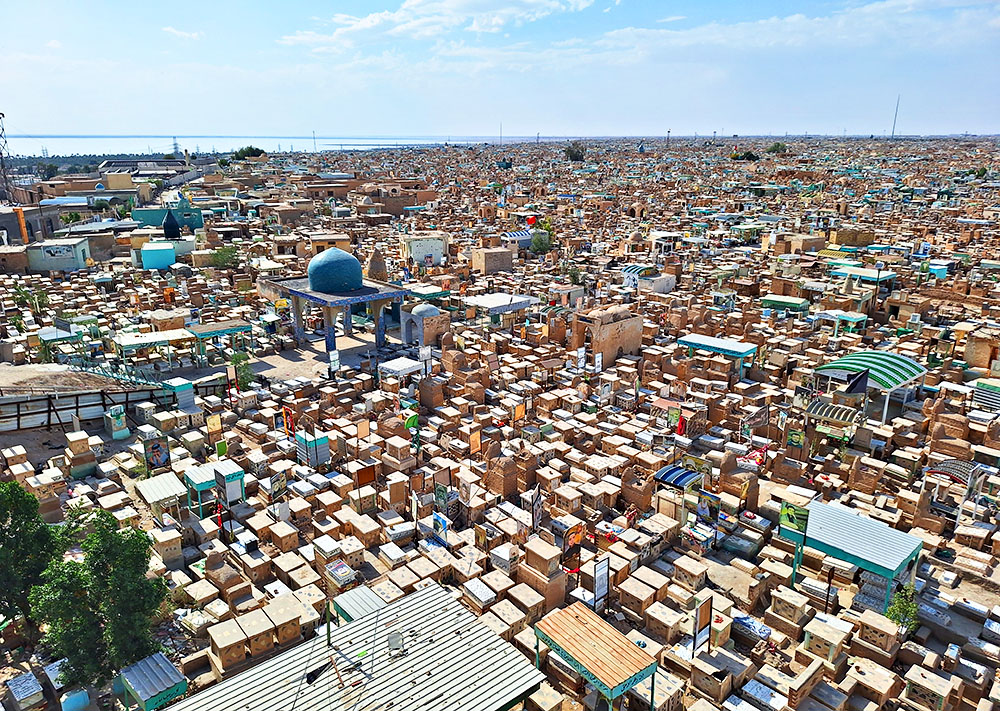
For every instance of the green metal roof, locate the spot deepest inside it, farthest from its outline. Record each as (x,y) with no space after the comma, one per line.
(889,370)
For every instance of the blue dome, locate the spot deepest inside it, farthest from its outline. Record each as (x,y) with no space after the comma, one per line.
(424,310)
(334,271)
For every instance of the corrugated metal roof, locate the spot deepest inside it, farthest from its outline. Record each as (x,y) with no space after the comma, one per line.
(859,536)
(602,650)
(830,412)
(889,370)
(451,661)
(152,675)
(161,487)
(676,476)
(359,602)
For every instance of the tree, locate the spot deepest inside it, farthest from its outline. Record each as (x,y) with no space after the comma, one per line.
(575,151)
(777,147)
(98,610)
(223,162)
(70,217)
(244,373)
(48,170)
(169,156)
(101,205)
(27,545)
(903,608)
(745,155)
(574,275)
(248,152)
(224,258)
(541,242)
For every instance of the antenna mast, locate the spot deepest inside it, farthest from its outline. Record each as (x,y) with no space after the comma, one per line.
(894,118)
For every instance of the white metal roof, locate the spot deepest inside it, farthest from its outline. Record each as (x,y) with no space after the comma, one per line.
(451,660)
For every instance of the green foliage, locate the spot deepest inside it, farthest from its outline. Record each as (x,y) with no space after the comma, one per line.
(777,147)
(223,162)
(27,545)
(541,243)
(244,373)
(157,183)
(981,173)
(70,217)
(47,170)
(546,224)
(575,151)
(903,608)
(169,156)
(574,275)
(745,155)
(101,205)
(23,296)
(98,611)
(225,258)
(17,321)
(248,152)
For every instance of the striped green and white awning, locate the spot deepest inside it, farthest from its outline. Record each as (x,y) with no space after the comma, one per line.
(889,370)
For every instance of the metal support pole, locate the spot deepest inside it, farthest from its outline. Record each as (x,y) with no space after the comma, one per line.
(885,407)
(652,692)
(538,664)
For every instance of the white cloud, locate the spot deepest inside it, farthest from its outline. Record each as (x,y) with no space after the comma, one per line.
(906,23)
(672,18)
(53,44)
(427,19)
(182,34)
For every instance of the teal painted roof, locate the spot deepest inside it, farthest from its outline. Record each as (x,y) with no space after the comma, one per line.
(889,370)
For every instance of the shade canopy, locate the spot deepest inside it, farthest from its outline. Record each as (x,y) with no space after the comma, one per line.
(889,370)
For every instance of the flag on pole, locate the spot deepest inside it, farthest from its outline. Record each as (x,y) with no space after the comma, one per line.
(858,384)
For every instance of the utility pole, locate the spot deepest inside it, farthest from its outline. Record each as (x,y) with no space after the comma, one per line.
(177,148)
(314,141)
(501,133)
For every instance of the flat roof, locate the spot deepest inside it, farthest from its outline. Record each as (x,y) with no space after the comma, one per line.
(451,660)
(606,657)
(726,346)
(860,537)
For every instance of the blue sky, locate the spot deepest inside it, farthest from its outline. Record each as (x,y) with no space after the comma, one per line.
(460,67)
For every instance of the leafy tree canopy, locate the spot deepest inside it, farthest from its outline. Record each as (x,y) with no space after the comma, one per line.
(27,545)
(98,610)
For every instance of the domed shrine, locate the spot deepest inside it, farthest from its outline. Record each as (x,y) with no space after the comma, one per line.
(335,287)
(334,271)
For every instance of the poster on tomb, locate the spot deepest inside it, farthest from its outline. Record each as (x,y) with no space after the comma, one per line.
(703,624)
(481,542)
(673,418)
(599,362)
(156,453)
(440,524)
(571,546)
(708,508)
(581,357)
(796,438)
(214,423)
(475,442)
(440,496)
(364,428)
(697,464)
(795,517)
(464,491)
